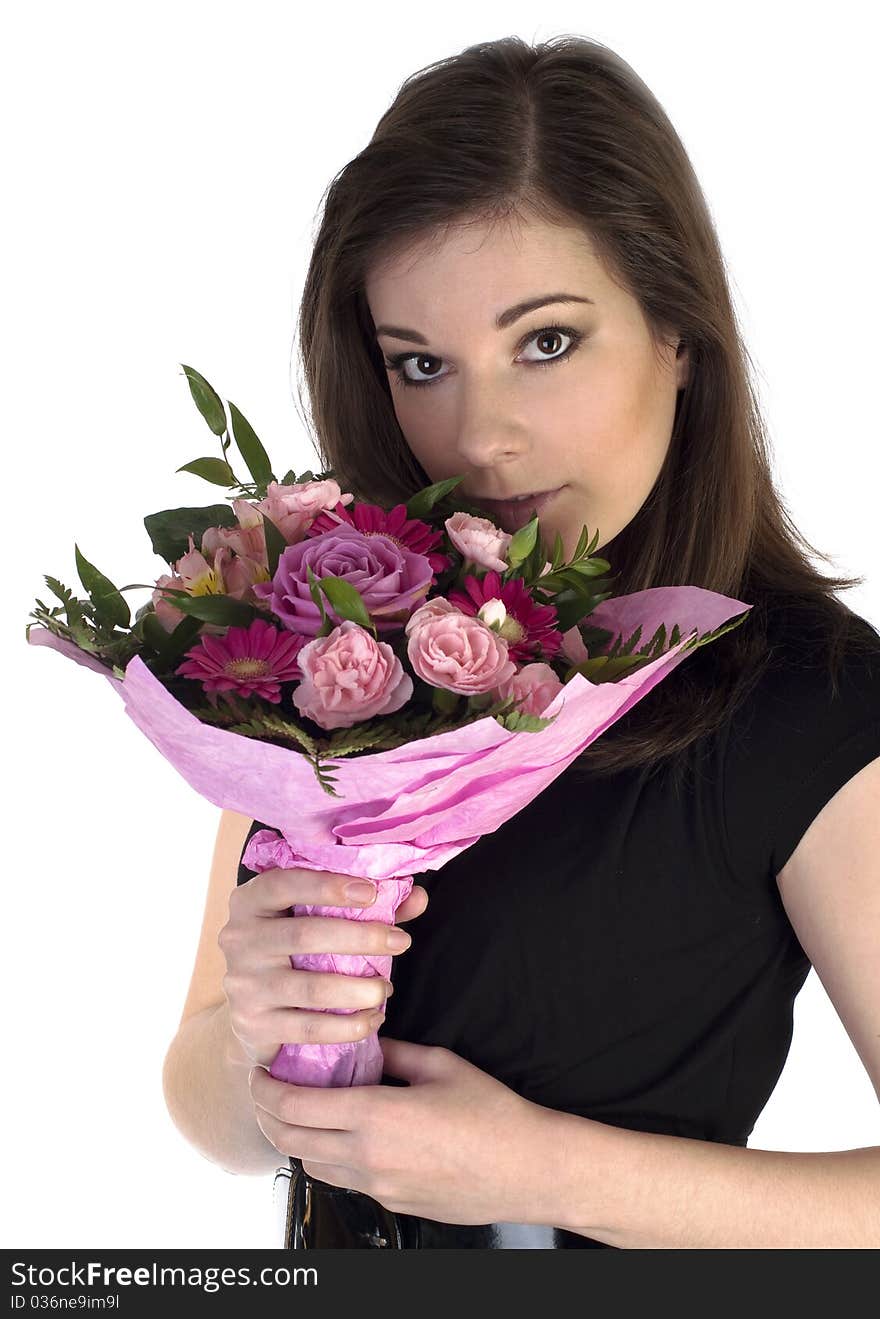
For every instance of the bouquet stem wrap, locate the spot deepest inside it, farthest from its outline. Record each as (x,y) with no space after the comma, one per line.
(349,1062)
(402,811)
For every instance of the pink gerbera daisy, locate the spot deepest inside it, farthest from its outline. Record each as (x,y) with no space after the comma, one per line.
(535,623)
(416,535)
(251,660)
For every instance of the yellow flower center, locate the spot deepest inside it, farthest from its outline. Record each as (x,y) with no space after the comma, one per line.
(207,584)
(247,667)
(511,630)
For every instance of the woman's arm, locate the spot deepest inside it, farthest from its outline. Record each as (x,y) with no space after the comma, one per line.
(205,1082)
(647,1191)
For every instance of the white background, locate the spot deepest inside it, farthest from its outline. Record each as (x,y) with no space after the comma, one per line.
(162,175)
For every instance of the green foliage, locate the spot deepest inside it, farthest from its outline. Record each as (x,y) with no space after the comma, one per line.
(524,542)
(221,610)
(250,448)
(275,545)
(169,530)
(215,470)
(421,504)
(110,608)
(206,399)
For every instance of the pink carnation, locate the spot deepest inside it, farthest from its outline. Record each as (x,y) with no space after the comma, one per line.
(535,686)
(292,507)
(348,677)
(479,540)
(455,651)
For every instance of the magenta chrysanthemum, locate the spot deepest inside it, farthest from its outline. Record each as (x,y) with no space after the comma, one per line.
(249,661)
(536,622)
(412,533)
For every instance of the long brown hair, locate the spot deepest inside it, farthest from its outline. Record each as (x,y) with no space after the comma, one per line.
(566,131)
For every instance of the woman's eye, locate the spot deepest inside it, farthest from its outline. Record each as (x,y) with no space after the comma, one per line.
(547,356)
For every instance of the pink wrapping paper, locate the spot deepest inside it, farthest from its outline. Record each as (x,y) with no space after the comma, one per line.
(400,811)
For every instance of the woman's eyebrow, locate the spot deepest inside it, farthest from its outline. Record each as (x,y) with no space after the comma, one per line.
(502,321)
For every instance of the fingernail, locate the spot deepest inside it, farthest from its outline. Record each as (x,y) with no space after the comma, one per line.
(360,890)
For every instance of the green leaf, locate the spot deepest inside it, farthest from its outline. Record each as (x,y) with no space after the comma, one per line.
(275,544)
(523,543)
(222,610)
(346,741)
(215,470)
(443,701)
(518,722)
(110,606)
(347,601)
(206,399)
(154,634)
(314,588)
(250,448)
(170,529)
(571,606)
(420,505)
(603,668)
(187,631)
(581,545)
(590,567)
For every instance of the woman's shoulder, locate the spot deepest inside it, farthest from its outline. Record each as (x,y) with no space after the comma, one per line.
(810,723)
(817,663)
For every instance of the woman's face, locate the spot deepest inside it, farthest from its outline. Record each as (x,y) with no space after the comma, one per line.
(588,406)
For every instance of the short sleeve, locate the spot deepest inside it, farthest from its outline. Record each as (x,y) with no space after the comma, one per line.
(794,744)
(793,815)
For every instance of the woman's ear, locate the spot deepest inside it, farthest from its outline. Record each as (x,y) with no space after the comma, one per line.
(682,364)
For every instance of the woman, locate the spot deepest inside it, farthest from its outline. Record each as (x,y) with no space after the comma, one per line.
(598,1002)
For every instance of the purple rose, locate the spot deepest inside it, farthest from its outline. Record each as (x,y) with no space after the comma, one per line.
(391,579)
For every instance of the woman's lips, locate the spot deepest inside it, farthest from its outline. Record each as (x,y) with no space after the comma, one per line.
(513,514)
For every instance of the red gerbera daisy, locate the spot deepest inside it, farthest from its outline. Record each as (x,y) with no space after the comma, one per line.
(416,535)
(252,660)
(535,623)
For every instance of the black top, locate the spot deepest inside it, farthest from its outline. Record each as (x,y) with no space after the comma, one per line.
(619,949)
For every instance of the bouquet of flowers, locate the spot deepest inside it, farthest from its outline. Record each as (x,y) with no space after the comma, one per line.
(379,687)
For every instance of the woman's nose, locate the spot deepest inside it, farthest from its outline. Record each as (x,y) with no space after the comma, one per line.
(488,441)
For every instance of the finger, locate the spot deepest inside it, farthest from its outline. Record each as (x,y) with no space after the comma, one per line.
(276,890)
(337,1108)
(300,1026)
(326,989)
(349,1179)
(328,934)
(328,1147)
(412,906)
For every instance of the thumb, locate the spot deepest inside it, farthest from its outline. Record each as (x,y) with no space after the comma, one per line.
(412,1062)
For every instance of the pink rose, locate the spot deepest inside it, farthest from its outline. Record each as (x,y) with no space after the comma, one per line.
(456,651)
(348,677)
(535,686)
(391,579)
(293,507)
(479,540)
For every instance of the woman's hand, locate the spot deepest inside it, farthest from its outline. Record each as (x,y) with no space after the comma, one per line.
(270,1002)
(455,1145)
